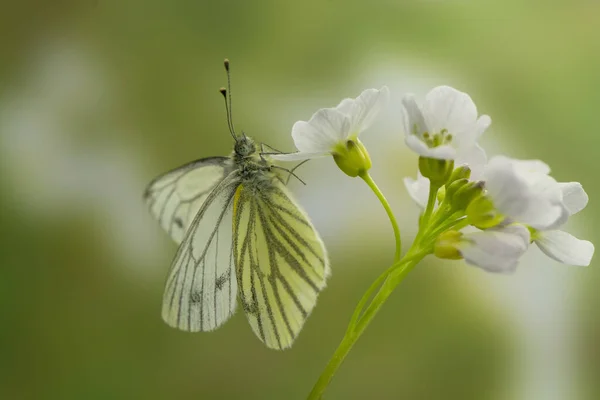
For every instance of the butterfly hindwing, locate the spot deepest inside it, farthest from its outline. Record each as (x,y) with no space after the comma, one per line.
(201,288)
(281,262)
(176,197)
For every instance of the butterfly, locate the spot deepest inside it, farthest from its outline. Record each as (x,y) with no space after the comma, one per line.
(241,235)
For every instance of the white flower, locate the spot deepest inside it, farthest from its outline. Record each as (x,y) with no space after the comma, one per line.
(495,250)
(330,127)
(523,192)
(560,245)
(445,126)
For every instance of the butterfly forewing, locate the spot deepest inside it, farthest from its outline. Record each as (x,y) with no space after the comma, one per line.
(281,262)
(176,197)
(201,288)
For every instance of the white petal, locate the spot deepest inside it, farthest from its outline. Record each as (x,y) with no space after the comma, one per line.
(346,106)
(481,125)
(418,189)
(566,248)
(531,166)
(296,156)
(545,187)
(414,123)
(475,158)
(326,127)
(496,250)
(448,108)
(531,201)
(508,193)
(546,209)
(364,109)
(540,215)
(562,219)
(367,106)
(574,197)
(444,152)
(516,229)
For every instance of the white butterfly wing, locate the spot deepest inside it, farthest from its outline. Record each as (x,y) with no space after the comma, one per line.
(176,197)
(201,289)
(281,262)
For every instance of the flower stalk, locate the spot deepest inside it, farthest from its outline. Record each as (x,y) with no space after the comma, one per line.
(391,279)
(373,186)
(386,282)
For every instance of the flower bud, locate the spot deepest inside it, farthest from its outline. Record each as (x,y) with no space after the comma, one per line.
(453,187)
(466,194)
(441,194)
(462,172)
(446,245)
(482,214)
(438,171)
(352,157)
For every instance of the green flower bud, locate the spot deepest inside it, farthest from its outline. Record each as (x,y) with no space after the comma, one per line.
(482,213)
(466,194)
(462,172)
(453,187)
(352,157)
(438,171)
(441,194)
(445,245)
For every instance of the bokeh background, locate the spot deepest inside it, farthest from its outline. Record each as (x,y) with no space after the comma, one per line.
(98,97)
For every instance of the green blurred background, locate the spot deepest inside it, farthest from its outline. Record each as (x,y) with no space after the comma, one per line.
(99,97)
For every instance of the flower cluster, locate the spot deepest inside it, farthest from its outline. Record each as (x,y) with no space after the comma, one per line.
(509,203)
(487,212)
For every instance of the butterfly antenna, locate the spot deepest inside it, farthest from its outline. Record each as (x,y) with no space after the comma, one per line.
(226,64)
(229,125)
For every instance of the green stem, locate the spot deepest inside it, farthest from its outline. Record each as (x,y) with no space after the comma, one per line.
(430,204)
(395,278)
(361,304)
(453,222)
(439,214)
(426,216)
(369,181)
(336,360)
(396,274)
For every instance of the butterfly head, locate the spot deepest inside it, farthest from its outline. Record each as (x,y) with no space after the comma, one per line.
(244,146)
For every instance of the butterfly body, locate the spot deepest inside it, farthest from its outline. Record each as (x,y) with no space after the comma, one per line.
(254,171)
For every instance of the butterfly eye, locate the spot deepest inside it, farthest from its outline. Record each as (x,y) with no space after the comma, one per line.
(244,147)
